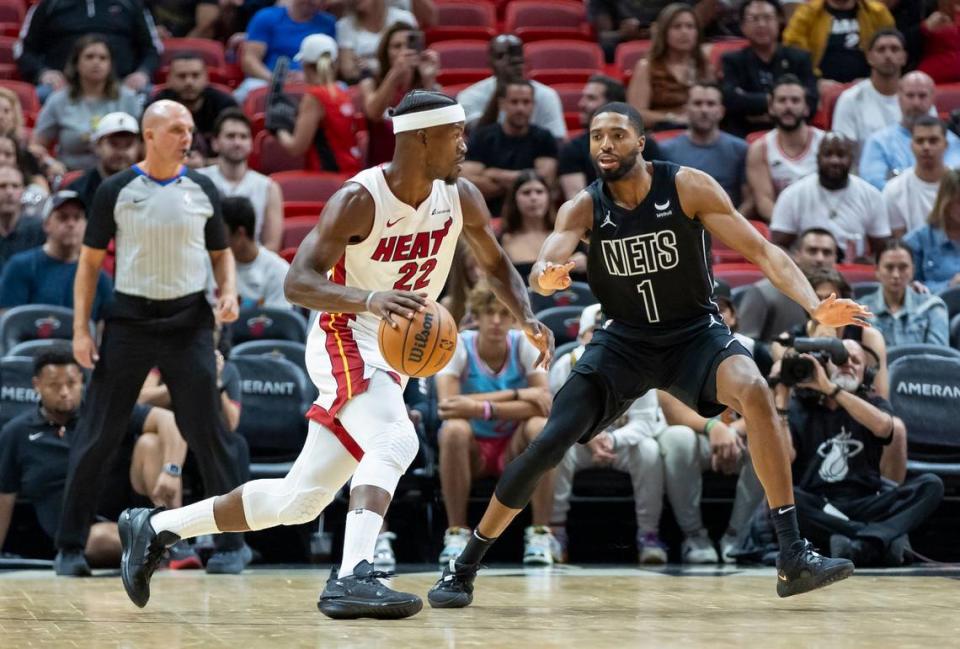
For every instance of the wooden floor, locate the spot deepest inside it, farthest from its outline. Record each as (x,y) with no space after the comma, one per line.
(560,607)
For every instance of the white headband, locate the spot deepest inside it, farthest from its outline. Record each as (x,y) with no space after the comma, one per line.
(428,118)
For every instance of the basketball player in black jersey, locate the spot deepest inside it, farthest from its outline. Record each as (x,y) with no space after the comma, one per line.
(649,227)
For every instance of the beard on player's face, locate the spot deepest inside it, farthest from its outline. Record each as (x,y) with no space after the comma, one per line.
(624,166)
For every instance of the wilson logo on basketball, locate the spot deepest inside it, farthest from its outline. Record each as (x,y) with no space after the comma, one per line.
(420,339)
(46,326)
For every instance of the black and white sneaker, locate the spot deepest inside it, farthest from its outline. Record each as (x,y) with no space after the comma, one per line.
(363,595)
(143,550)
(801,569)
(454,589)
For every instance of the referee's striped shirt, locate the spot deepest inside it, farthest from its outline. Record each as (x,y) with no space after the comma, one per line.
(163,230)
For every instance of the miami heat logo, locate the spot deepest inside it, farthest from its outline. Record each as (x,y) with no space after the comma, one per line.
(836,453)
(258,325)
(46,327)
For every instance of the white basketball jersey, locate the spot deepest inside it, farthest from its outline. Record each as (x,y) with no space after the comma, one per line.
(784,169)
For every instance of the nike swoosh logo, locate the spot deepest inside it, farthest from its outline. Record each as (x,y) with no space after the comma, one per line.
(784,510)
(782,577)
(35,436)
(662,206)
(137,201)
(390,224)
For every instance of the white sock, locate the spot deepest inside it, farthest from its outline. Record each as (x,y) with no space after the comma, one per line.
(187,522)
(359,539)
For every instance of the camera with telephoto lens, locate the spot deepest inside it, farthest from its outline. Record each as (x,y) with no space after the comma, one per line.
(795,369)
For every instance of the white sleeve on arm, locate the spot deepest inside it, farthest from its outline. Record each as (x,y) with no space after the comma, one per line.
(459,361)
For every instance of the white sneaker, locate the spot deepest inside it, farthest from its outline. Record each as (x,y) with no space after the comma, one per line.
(728,544)
(383,556)
(454,541)
(699,549)
(541,548)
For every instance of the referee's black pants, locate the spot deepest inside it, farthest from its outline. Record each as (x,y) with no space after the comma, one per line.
(177,337)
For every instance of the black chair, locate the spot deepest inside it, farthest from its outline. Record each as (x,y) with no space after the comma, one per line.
(925,393)
(955,332)
(291,350)
(269,324)
(952,297)
(33,348)
(864,288)
(35,321)
(276,396)
(563,321)
(579,294)
(16,387)
(900,351)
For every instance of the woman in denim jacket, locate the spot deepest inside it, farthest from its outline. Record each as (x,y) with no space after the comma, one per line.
(936,246)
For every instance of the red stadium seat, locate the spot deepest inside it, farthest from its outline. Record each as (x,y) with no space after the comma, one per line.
(439,34)
(28,98)
(211,50)
(454,89)
(288,254)
(723,254)
(823,118)
(664,136)
(9,29)
(737,274)
(466,14)
(572,119)
(255,102)
(627,55)
(947,97)
(854,273)
(295,229)
(560,61)
(70,176)
(12,11)
(160,87)
(755,135)
(461,55)
(569,96)
(302,208)
(269,156)
(8,65)
(308,185)
(465,76)
(719,48)
(535,20)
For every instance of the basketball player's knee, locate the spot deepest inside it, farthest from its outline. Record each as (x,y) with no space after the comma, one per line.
(755,393)
(305,505)
(455,434)
(546,452)
(396,446)
(267,503)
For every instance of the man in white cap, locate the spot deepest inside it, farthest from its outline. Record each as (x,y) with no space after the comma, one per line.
(116,142)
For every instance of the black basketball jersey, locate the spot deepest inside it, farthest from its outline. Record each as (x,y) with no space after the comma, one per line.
(649,266)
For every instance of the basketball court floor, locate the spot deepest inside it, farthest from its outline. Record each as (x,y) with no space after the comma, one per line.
(566,606)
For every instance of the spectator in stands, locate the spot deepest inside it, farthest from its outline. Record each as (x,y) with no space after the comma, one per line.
(628,446)
(278,31)
(493,401)
(506,61)
(188,84)
(788,152)
(44,275)
(324,127)
(835,200)
(18,232)
(872,104)
(34,448)
(837,33)
(936,245)
(888,151)
(401,70)
(498,152)
(11,115)
(901,314)
(360,32)
(574,165)
(37,187)
(233,142)
(749,74)
(838,432)
(661,81)
(260,272)
(528,218)
(185,18)
(910,196)
(941,43)
(70,114)
(764,311)
(52,29)
(116,142)
(704,146)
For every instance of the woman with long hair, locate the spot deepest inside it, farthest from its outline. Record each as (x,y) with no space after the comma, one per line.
(528,218)
(402,68)
(936,263)
(12,123)
(325,128)
(662,80)
(359,33)
(36,187)
(71,114)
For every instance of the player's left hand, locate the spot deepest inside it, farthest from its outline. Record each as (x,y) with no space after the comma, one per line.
(228,309)
(542,338)
(840,313)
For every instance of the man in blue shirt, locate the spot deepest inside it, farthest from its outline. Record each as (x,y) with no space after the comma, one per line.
(887,152)
(704,146)
(44,274)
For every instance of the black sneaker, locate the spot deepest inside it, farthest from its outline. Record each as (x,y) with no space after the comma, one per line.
(454,589)
(362,595)
(142,551)
(71,563)
(801,569)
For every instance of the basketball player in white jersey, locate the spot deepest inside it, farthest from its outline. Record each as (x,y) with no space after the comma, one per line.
(788,152)
(384,242)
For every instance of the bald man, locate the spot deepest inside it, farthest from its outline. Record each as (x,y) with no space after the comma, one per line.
(165,219)
(887,152)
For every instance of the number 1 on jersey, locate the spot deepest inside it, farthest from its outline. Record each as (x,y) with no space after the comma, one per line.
(645,288)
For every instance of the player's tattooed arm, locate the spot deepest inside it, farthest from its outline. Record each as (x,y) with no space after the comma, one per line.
(551,272)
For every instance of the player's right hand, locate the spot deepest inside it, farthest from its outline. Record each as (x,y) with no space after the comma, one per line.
(404,304)
(555,277)
(85,349)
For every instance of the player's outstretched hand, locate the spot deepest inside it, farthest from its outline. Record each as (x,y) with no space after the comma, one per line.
(542,338)
(388,304)
(840,313)
(556,277)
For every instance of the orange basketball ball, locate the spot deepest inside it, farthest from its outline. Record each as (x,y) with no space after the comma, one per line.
(421,346)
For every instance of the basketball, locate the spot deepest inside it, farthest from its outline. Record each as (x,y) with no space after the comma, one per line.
(422,346)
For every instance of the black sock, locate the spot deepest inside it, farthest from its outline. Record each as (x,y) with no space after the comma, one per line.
(785,522)
(477,546)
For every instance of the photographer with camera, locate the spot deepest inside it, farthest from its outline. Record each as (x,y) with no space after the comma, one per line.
(838,432)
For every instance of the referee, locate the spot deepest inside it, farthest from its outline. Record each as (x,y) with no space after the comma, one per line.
(166,222)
